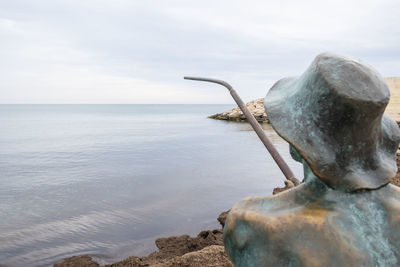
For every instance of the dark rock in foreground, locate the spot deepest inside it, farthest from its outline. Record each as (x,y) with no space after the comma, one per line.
(206,249)
(213,255)
(222,218)
(77,261)
(179,245)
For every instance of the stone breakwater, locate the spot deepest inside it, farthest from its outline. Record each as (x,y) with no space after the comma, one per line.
(256,107)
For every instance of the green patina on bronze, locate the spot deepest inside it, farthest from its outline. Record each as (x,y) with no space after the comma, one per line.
(344,213)
(333,115)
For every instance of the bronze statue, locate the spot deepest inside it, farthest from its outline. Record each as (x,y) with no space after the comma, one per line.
(345,213)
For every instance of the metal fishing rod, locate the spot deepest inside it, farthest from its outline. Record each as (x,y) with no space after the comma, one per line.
(256,126)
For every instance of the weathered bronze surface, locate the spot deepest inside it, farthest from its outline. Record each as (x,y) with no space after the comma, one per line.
(313,225)
(345,213)
(333,115)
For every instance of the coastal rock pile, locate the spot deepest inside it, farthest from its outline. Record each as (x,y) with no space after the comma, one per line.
(77,261)
(213,255)
(207,249)
(256,107)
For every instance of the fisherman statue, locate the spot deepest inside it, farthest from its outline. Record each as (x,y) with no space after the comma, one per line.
(345,213)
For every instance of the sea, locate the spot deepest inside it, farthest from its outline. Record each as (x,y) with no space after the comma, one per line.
(107,180)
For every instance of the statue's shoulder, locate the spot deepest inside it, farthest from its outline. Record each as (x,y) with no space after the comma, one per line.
(269,204)
(259,229)
(293,200)
(309,226)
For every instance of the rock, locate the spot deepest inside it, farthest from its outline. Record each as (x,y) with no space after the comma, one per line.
(204,250)
(179,245)
(222,218)
(77,261)
(256,107)
(211,256)
(130,262)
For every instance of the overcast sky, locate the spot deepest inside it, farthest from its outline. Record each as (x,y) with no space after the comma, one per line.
(87,51)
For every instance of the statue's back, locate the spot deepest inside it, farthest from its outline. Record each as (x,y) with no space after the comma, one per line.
(312,225)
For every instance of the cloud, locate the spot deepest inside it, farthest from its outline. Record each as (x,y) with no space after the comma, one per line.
(94,51)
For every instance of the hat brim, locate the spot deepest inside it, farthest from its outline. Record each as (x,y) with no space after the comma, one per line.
(288,114)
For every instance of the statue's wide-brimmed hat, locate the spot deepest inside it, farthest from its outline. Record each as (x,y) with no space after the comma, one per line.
(333,116)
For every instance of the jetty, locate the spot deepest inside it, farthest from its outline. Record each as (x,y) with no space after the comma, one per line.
(256,106)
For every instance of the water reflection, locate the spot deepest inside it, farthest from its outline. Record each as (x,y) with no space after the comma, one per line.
(107,180)
(269,131)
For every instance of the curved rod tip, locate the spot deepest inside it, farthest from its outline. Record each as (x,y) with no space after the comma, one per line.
(223,83)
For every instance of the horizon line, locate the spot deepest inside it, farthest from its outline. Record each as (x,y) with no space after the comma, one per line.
(117,103)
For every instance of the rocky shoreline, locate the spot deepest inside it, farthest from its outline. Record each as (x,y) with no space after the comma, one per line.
(256,106)
(204,250)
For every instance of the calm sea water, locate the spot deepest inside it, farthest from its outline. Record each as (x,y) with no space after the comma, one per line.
(106,180)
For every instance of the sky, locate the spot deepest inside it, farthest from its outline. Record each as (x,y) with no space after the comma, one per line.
(137,52)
